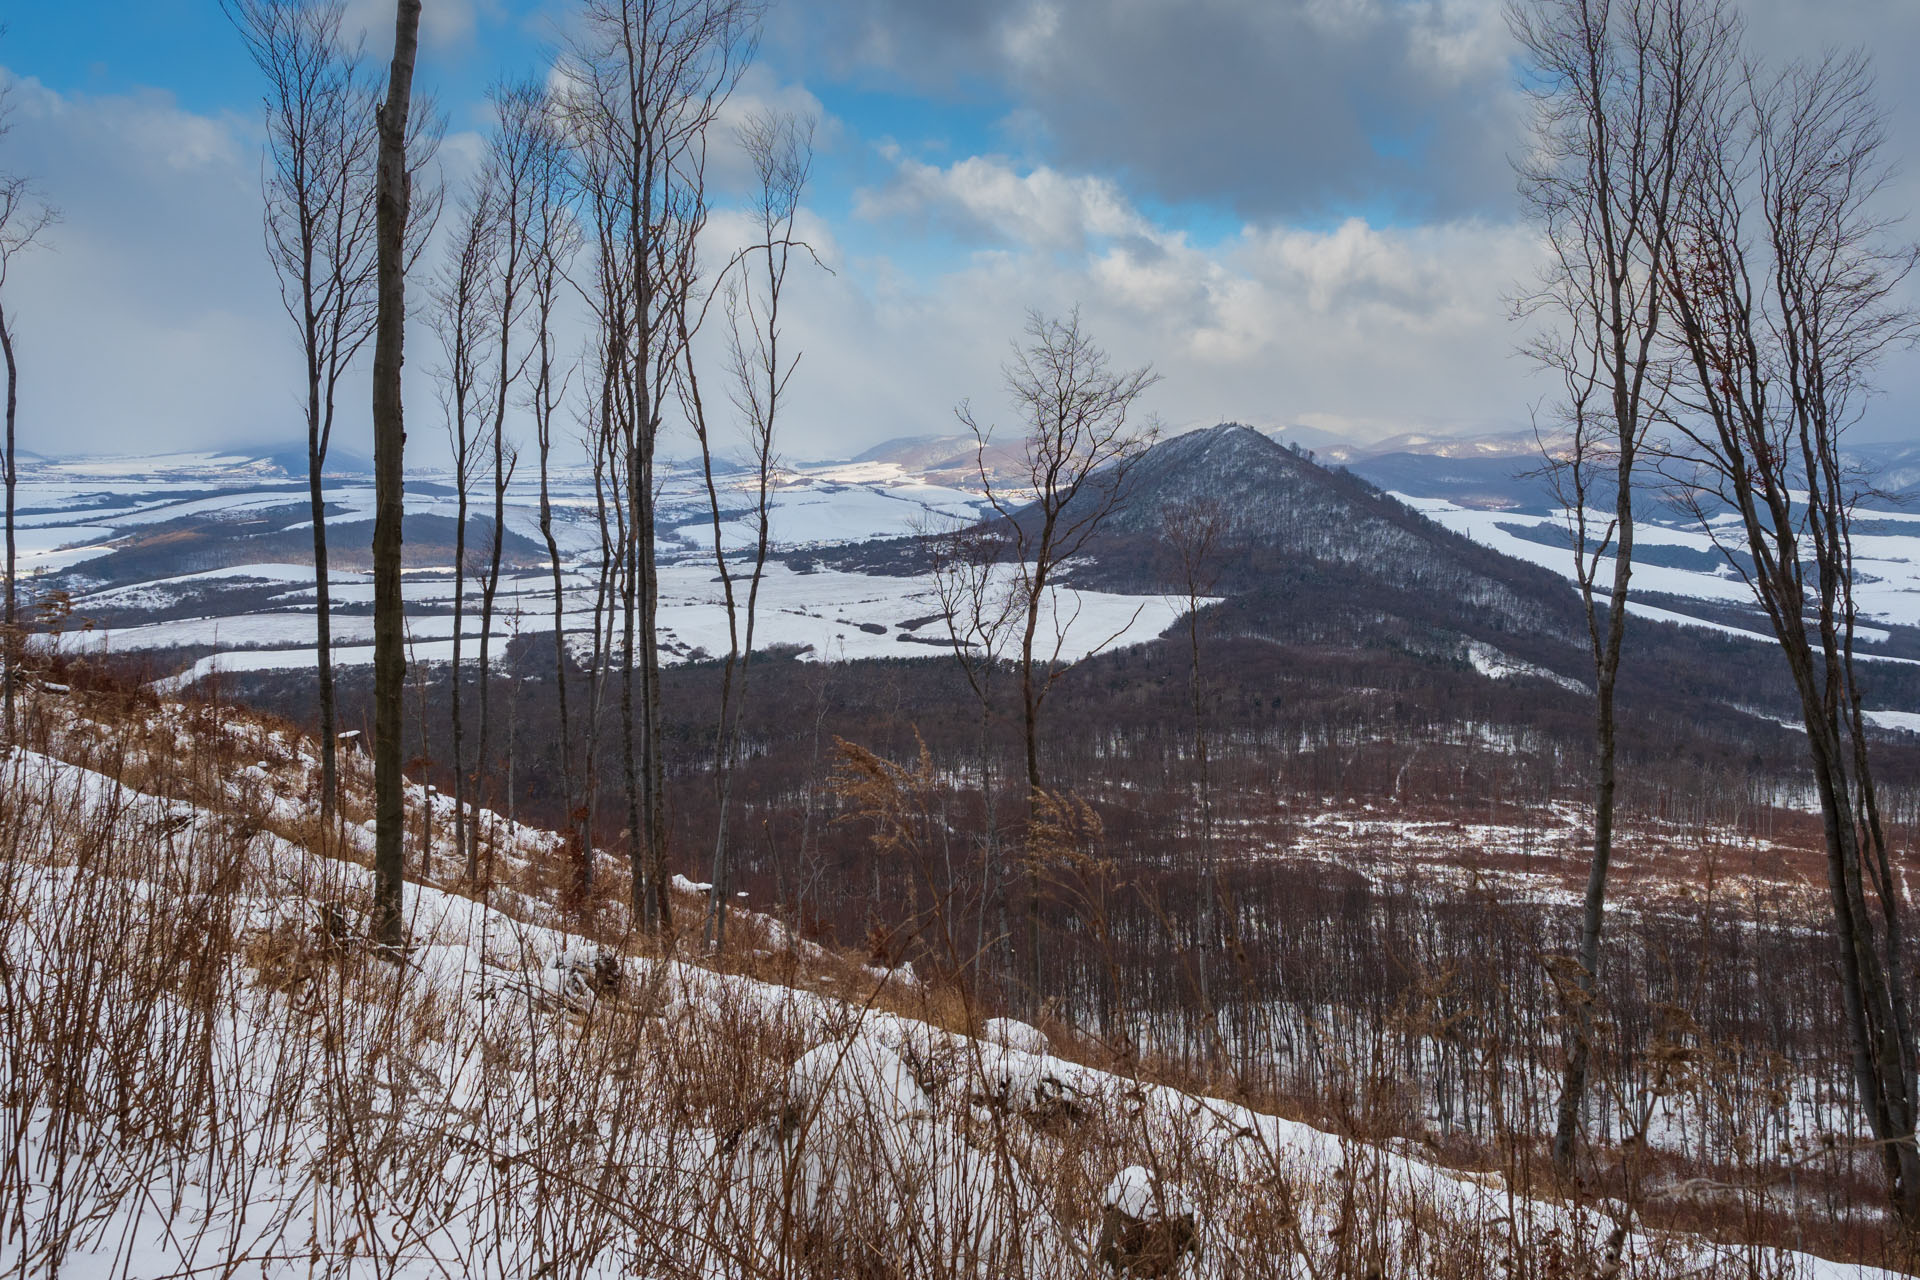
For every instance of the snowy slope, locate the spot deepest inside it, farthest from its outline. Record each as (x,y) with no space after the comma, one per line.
(211,1073)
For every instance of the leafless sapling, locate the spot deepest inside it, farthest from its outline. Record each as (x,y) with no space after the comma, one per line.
(460,323)
(318,190)
(643,82)
(1079,453)
(780,147)
(24,218)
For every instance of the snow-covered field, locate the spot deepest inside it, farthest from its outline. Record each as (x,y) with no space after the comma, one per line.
(83,510)
(1887,565)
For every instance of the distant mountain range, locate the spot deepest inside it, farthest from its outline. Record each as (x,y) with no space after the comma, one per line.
(1500,471)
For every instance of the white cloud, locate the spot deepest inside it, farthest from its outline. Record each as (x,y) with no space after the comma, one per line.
(151,310)
(444,24)
(1367,323)
(1042,208)
(151,319)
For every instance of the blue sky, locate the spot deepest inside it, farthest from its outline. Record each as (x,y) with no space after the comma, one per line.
(1300,211)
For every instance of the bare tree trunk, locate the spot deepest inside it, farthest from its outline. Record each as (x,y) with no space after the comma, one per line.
(640,866)
(319,187)
(456,316)
(12,637)
(781,148)
(489,591)
(1194,528)
(651,80)
(655,761)
(323,638)
(1789,295)
(389,442)
(570,790)
(606,583)
(464,839)
(1030,736)
(512,156)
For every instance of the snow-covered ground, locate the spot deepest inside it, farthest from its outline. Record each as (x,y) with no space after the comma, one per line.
(81,510)
(211,1074)
(829,615)
(1887,565)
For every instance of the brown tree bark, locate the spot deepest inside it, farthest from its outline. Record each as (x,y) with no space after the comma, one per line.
(389,449)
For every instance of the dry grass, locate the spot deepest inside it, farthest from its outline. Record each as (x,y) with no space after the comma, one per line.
(210,1072)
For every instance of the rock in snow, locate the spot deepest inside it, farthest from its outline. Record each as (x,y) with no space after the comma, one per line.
(1147,1227)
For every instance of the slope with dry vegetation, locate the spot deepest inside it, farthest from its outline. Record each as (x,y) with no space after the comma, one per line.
(211,1071)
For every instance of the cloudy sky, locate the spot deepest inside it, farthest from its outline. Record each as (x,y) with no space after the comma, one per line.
(1300,211)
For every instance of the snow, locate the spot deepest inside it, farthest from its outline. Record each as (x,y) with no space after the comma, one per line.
(1887,586)
(475,1059)
(844,1082)
(1687,620)
(828,615)
(1135,1192)
(1491,662)
(1014,1035)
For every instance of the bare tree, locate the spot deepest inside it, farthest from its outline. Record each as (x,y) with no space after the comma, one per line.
(392,208)
(1079,455)
(1193,532)
(1788,290)
(519,120)
(459,321)
(610,523)
(318,186)
(1618,87)
(780,147)
(24,218)
(644,81)
(554,239)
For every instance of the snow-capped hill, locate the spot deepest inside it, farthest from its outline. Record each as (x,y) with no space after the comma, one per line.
(1296,541)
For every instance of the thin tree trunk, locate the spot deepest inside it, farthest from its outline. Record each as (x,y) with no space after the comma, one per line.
(12,638)
(323,638)
(389,445)
(569,790)
(1030,725)
(1573,1084)
(463,837)
(644,911)
(655,758)
(502,474)
(489,591)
